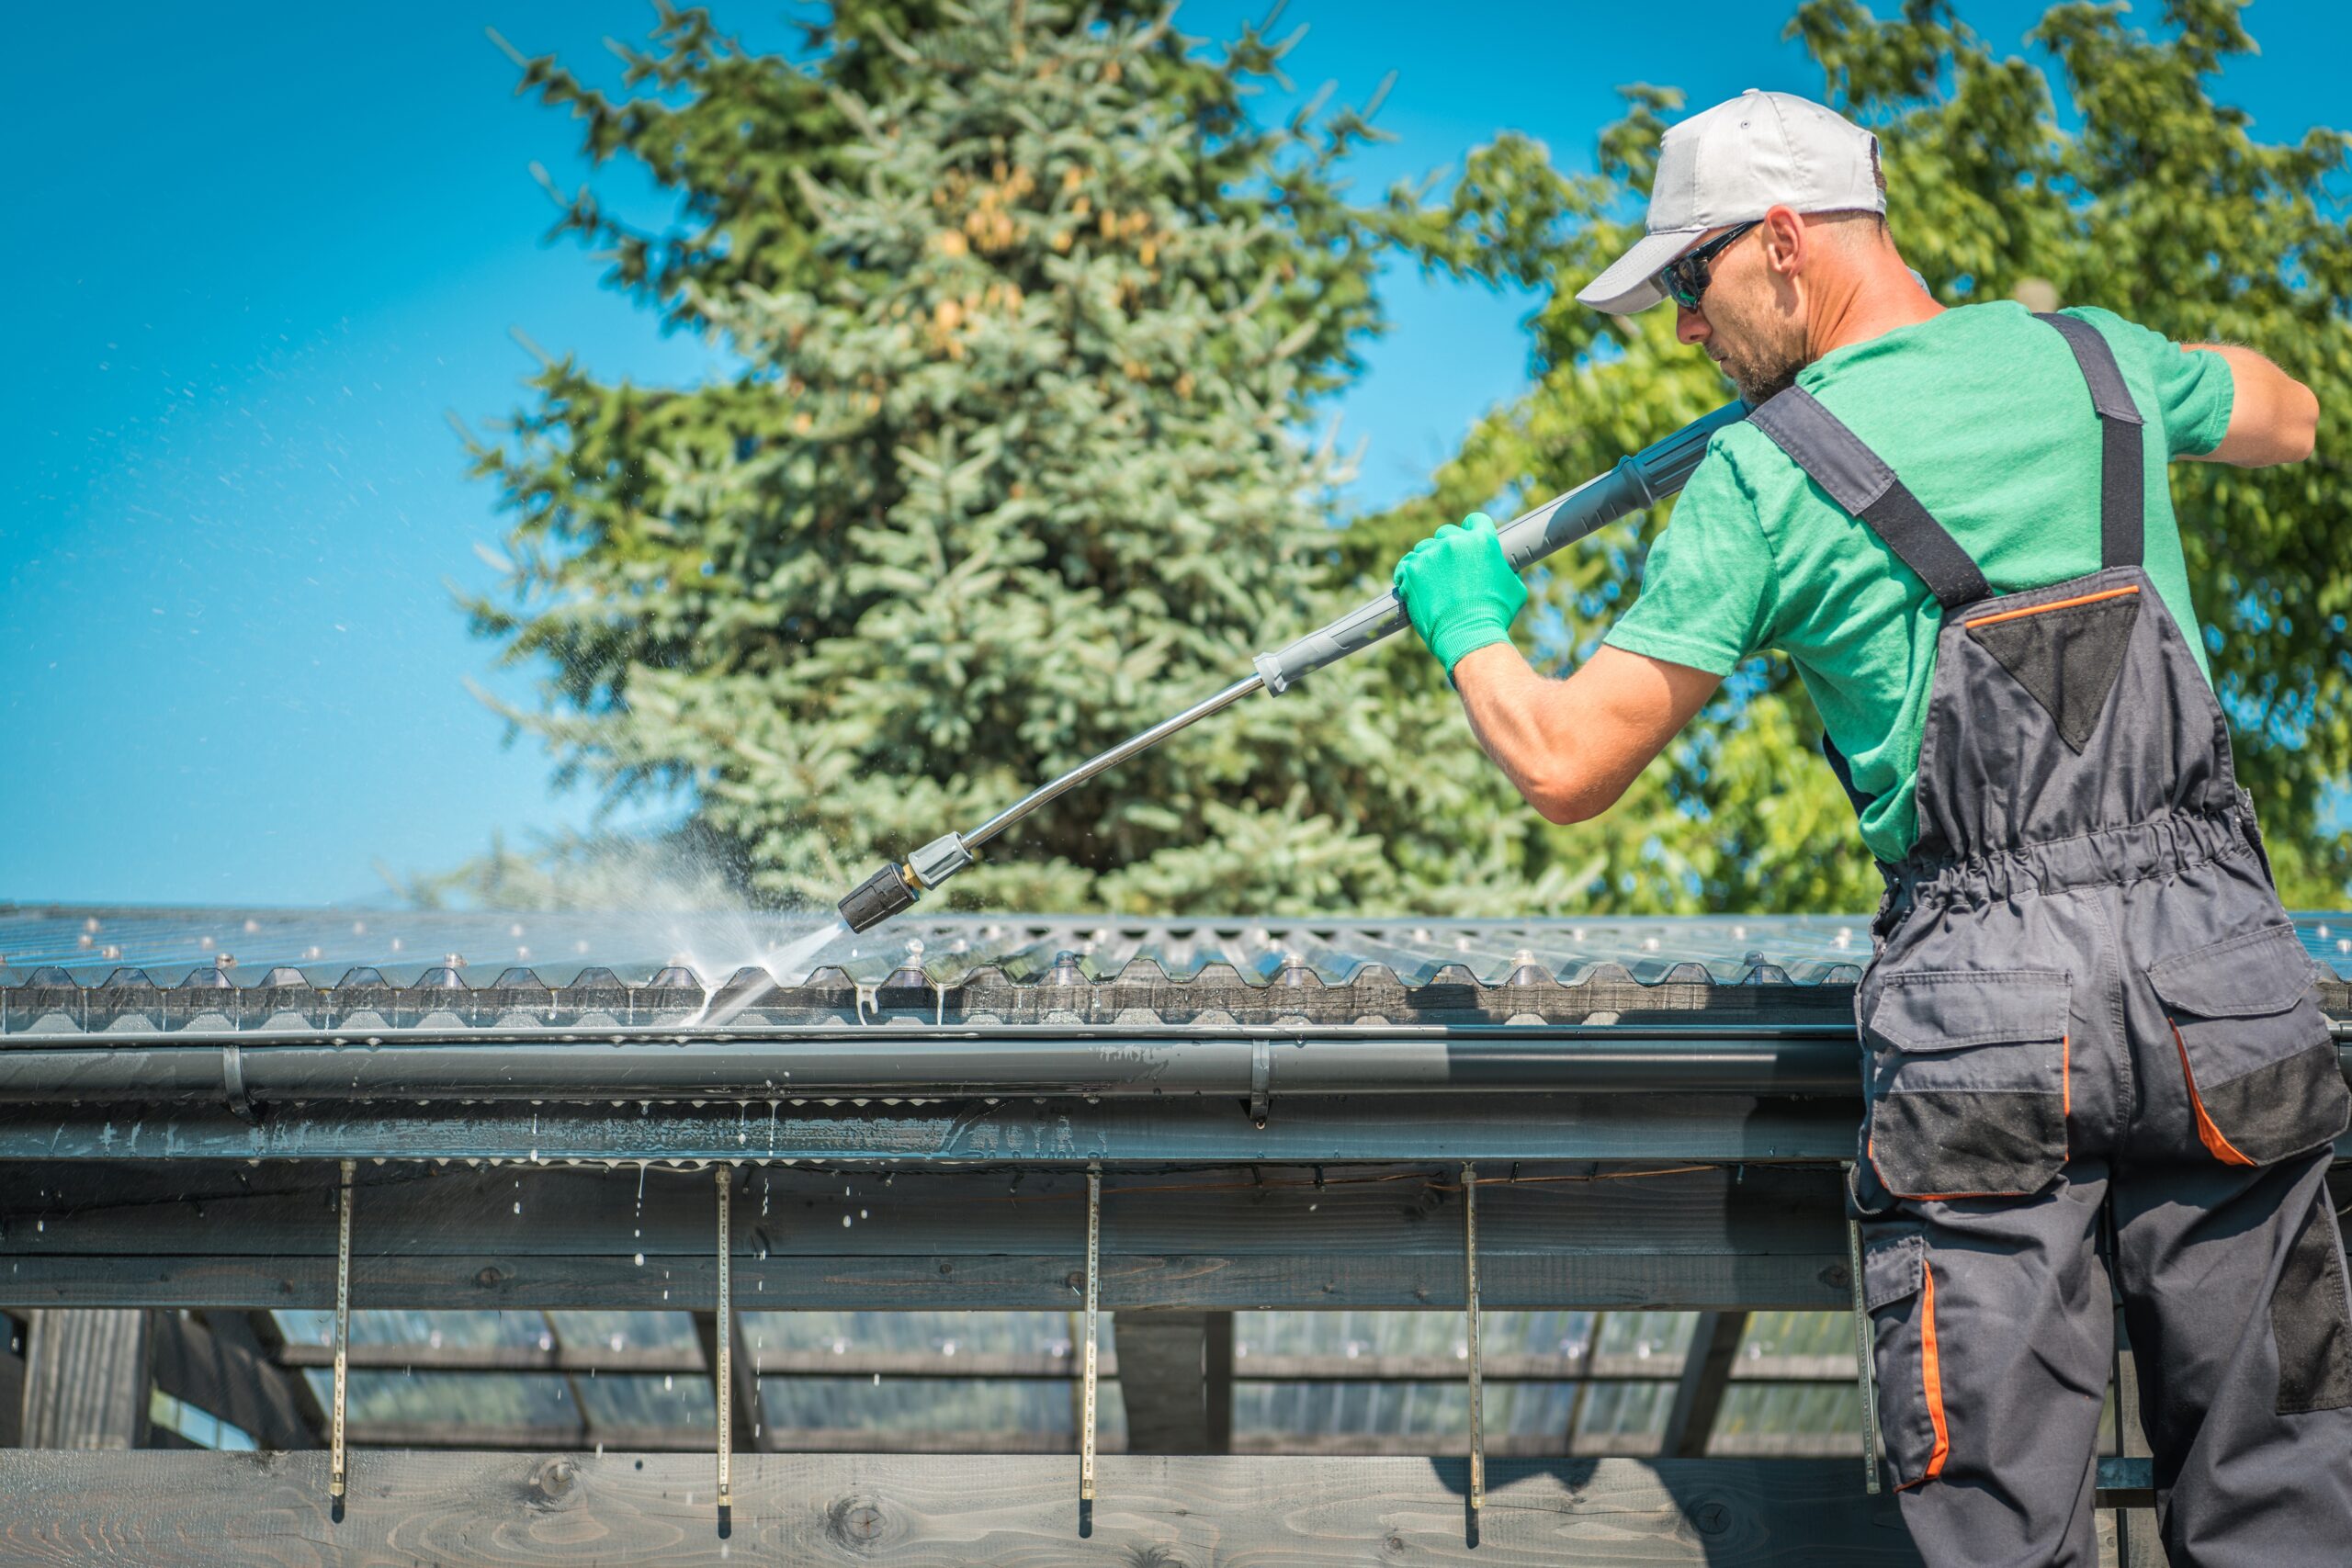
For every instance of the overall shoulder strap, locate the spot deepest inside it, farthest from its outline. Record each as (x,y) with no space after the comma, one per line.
(2122,527)
(1834,458)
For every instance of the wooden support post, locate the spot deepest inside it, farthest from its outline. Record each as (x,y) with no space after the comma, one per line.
(1216,1355)
(1163,1378)
(12,1380)
(223,1372)
(86,1380)
(1093,1300)
(336,1473)
(1470,1291)
(1699,1391)
(1865,1381)
(1175,1372)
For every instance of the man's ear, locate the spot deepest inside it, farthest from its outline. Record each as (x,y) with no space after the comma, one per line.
(1786,243)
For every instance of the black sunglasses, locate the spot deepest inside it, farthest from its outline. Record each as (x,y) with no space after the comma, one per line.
(1685,277)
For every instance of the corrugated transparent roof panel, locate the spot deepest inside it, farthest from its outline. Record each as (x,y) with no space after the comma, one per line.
(936,1405)
(1030,1333)
(373,1326)
(1618,1412)
(626,1330)
(680,1400)
(1432,1410)
(1759,1409)
(453,1399)
(1645,1334)
(1408,1334)
(1798,1334)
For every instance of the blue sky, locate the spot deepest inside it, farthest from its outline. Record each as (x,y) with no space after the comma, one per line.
(262,252)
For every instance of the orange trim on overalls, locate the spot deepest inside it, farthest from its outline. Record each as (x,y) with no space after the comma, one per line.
(2059,604)
(1932,1381)
(2220,1147)
(1932,1372)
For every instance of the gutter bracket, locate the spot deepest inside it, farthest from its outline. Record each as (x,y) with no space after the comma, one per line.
(233,1082)
(1261,1076)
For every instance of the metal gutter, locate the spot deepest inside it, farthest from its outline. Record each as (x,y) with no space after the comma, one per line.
(1258,1063)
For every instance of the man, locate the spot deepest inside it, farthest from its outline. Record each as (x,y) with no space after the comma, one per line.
(2091,1050)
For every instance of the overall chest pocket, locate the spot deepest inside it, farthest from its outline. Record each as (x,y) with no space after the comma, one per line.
(2264,1078)
(1968,1092)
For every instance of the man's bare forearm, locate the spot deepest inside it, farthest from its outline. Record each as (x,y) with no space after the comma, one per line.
(1511,711)
(1571,747)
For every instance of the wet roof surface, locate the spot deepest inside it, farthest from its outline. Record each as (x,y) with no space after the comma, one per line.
(92,942)
(68,969)
(403,946)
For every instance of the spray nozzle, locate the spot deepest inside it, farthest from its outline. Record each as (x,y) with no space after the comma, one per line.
(894,888)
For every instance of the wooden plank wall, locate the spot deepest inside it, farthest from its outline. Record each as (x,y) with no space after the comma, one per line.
(526,1235)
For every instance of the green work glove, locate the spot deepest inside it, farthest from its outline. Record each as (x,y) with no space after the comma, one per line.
(1460,591)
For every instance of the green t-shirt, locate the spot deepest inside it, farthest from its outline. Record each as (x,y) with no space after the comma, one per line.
(1983,412)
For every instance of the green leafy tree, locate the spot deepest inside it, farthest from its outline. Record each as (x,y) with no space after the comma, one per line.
(2163,207)
(1029,310)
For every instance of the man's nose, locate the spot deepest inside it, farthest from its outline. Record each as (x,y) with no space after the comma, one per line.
(1689,326)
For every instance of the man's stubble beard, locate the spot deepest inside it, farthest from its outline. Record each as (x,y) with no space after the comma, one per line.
(1766,359)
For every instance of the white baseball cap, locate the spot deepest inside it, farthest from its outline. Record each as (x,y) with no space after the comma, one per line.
(1733,162)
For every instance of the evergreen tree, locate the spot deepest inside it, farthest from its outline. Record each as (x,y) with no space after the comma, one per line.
(1030,309)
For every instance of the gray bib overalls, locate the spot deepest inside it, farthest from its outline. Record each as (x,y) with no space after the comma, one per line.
(2086,997)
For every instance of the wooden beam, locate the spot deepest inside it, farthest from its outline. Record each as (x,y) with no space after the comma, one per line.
(88,1375)
(1216,1238)
(1067,1133)
(199,1510)
(1699,1391)
(227,1379)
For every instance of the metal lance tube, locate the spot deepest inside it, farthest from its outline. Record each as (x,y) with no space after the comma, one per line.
(1642,479)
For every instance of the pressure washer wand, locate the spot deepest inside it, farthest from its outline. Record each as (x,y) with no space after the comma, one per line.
(1648,477)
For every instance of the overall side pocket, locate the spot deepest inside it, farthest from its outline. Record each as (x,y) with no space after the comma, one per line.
(2264,1078)
(1899,1293)
(1968,1092)
(2310,1316)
